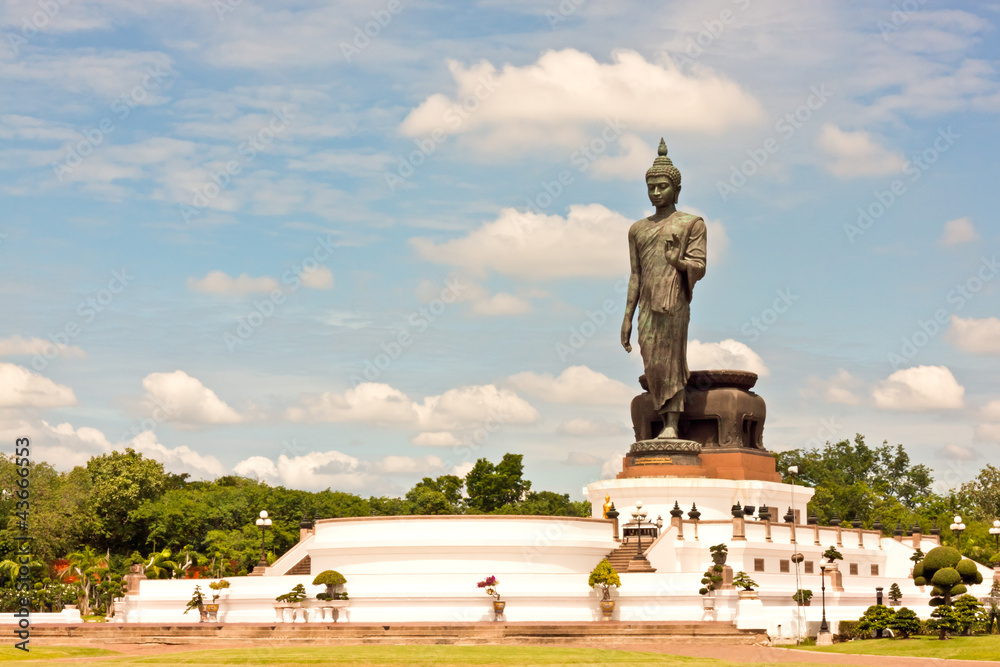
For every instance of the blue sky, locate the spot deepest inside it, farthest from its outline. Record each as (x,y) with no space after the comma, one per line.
(354,244)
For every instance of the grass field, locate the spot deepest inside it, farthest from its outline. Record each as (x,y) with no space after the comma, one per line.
(444,656)
(984,647)
(45,654)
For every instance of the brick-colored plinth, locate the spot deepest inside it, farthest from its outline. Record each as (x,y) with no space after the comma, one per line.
(567,634)
(739,464)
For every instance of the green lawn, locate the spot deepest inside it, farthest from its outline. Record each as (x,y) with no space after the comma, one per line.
(45,653)
(984,647)
(390,655)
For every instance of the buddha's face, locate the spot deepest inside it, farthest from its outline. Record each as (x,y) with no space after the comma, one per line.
(661,191)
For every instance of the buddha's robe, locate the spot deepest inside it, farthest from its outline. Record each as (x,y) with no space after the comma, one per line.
(664,301)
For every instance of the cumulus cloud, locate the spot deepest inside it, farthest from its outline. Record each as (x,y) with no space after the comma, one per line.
(854,154)
(724,355)
(217,282)
(988,432)
(919,388)
(976,336)
(583,459)
(838,388)
(957,452)
(464,407)
(337,470)
(589,241)
(21,388)
(960,230)
(991,411)
(501,303)
(576,384)
(590,427)
(184,401)
(612,466)
(566,96)
(319,278)
(178,460)
(17,346)
(435,439)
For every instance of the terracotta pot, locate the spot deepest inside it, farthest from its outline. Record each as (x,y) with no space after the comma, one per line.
(498,607)
(607,609)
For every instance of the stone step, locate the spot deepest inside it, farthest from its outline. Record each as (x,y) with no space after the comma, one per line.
(610,633)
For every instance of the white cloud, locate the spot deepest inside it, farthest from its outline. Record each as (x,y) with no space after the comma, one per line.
(501,304)
(337,470)
(576,384)
(319,278)
(16,345)
(376,403)
(991,411)
(217,282)
(988,432)
(856,154)
(724,355)
(957,452)
(583,459)
(21,388)
(919,388)
(613,466)
(838,388)
(960,230)
(566,96)
(590,427)
(590,241)
(435,439)
(184,401)
(975,336)
(178,460)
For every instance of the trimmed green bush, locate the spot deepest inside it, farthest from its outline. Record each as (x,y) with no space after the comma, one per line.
(966,569)
(905,622)
(919,581)
(946,577)
(918,570)
(329,578)
(941,557)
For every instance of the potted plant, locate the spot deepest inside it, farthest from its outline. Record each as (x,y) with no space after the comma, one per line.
(746,585)
(490,584)
(213,609)
(710,582)
(802,596)
(605,576)
(895,594)
(719,553)
(197,601)
(831,555)
(292,599)
(332,580)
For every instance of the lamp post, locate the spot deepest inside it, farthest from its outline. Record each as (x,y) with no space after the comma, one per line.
(995,532)
(957,527)
(823,627)
(264,523)
(639,515)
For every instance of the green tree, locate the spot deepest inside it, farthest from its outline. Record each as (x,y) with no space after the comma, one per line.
(981,496)
(120,483)
(436,496)
(86,565)
(969,612)
(944,620)
(491,487)
(876,618)
(161,565)
(950,574)
(905,622)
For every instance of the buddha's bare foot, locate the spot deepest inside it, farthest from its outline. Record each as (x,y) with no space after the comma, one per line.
(668,433)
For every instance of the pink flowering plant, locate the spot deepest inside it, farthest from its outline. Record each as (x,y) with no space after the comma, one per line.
(490,584)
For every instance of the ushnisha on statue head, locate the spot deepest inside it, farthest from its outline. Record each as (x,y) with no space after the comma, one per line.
(663,179)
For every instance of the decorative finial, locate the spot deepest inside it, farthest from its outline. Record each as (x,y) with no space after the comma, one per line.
(662,150)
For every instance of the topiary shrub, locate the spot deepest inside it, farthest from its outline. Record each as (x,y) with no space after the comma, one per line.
(876,619)
(330,579)
(946,577)
(950,574)
(847,630)
(905,622)
(605,576)
(941,557)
